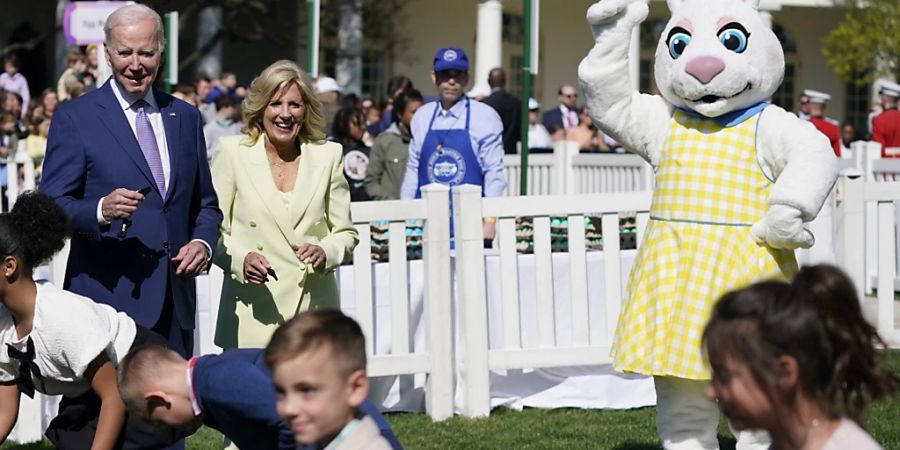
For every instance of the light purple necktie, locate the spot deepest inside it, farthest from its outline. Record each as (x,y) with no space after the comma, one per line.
(147,140)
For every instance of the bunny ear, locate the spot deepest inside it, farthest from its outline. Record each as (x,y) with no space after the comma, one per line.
(674,4)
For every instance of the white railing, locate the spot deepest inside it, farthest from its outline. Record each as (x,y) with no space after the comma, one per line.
(606,172)
(852,221)
(437,360)
(567,171)
(476,358)
(16,163)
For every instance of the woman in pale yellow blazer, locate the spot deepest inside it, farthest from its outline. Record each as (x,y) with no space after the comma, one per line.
(286,204)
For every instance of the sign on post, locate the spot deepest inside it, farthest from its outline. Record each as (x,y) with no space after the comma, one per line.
(83,21)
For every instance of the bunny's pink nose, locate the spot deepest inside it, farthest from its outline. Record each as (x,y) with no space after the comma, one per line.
(705,68)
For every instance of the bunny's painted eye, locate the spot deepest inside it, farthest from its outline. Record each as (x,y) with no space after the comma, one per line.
(678,40)
(734,37)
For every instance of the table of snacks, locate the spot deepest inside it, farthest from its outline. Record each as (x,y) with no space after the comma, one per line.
(580,387)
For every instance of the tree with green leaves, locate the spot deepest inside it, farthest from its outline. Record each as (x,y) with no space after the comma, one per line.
(866,45)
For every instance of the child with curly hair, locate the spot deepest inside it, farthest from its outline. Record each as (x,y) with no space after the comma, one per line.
(58,343)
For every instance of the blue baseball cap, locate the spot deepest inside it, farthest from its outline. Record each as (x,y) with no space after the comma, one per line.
(451,58)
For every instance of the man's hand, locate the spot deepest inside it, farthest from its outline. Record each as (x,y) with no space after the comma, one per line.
(489,229)
(191,259)
(120,204)
(311,254)
(256,268)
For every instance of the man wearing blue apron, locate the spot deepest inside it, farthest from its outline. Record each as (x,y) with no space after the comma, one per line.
(454,140)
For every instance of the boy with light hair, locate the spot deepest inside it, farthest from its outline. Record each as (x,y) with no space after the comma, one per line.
(318,363)
(230,392)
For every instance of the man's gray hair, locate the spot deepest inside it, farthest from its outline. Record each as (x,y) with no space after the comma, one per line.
(131,14)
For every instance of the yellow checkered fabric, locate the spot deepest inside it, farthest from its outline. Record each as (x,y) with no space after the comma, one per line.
(710,190)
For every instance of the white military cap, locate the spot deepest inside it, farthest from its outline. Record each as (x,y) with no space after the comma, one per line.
(533,104)
(890,88)
(816,96)
(326,84)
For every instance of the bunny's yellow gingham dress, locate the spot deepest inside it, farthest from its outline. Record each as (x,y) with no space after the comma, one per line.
(697,246)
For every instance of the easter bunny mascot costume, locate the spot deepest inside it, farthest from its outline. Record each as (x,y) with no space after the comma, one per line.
(736,178)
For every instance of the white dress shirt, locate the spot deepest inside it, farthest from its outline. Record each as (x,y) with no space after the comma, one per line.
(151,109)
(569,117)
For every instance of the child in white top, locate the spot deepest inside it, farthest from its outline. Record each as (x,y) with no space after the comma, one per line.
(797,360)
(59,343)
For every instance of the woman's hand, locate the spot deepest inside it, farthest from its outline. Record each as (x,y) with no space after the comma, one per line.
(311,254)
(256,268)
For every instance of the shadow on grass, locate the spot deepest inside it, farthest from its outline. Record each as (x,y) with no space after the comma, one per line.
(636,446)
(725,443)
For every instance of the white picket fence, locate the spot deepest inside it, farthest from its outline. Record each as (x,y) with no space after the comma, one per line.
(852,249)
(477,358)
(437,359)
(566,171)
(16,182)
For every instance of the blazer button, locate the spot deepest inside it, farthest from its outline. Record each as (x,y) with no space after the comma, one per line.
(166,244)
(259,246)
(165,210)
(252,224)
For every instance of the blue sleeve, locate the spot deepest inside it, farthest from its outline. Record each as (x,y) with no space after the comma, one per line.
(243,395)
(368,408)
(65,172)
(490,152)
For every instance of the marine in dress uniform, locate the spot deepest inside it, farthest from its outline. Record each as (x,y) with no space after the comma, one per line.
(886,126)
(829,127)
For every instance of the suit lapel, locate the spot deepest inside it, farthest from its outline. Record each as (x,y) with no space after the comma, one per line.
(260,177)
(115,121)
(307,185)
(172,125)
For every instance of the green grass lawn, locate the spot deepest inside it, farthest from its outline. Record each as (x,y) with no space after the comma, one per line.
(558,429)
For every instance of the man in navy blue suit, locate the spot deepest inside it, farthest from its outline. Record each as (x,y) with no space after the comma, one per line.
(128,164)
(565,115)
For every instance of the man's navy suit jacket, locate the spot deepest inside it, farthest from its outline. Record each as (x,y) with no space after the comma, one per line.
(92,151)
(236,397)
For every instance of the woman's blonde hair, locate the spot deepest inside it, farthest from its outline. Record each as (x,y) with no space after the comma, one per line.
(272,81)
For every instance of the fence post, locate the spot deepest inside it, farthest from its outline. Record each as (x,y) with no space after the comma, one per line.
(12,177)
(436,248)
(560,172)
(28,181)
(850,229)
(215,277)
(886,268)
(474,371)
